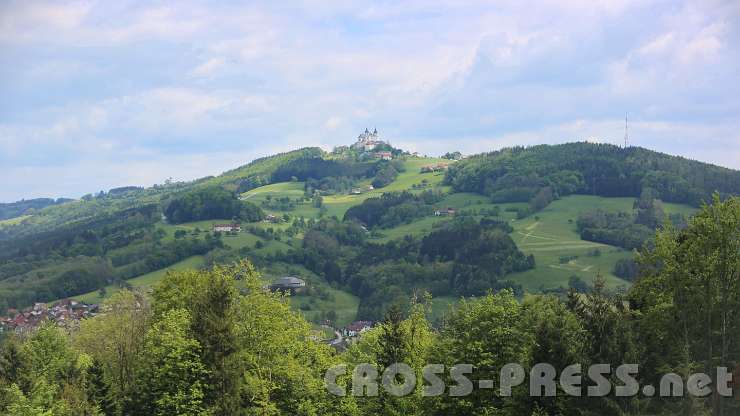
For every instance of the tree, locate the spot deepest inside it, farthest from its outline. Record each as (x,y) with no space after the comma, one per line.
(486,333)
(397,340)
(560,340)
(577,284)
(172,375)
(116,340)
(52,380)
(689,294)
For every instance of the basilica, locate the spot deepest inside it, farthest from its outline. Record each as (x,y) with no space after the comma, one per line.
(367,140)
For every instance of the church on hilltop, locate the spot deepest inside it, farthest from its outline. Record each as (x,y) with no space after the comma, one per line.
(367,140)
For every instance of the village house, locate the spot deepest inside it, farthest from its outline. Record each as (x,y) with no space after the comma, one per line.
(359,191)
(227,228)
(356,328)
(271,218)
(66,313)
(445,211)
(384,155)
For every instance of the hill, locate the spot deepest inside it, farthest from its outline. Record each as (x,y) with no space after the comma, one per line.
(27,206)
(535,219)
(536,174)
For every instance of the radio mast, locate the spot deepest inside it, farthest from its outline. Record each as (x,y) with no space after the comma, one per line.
(626,131)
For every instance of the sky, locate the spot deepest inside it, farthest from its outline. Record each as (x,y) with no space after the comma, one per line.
(96,95)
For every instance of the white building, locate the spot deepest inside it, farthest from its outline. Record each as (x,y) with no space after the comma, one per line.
(227,228)
(367,140)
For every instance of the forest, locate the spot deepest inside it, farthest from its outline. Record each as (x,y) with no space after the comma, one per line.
(211,203)
(26,206)
(214,342)
(521,174)
(464,258)
(89,254)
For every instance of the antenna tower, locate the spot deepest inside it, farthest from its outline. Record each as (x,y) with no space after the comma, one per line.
(626,131)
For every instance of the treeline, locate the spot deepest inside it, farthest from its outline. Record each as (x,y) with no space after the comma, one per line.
(259,171)
(464,257)
(216,343)
(393,208)
(23,207)
(318,168)
(328,185)
(56,280)
(211,203)
(386,172)
(521,174)
(86,255)
(627,230)
(92,236)
(617,229)
(65,277)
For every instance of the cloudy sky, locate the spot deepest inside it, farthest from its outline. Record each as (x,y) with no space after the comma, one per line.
(95,95)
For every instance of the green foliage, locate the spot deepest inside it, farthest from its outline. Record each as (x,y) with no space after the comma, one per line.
(452,155)
(51,379)
(385,175)
(318,168)
(486,333)
(216,343)
(466,257)
(393,208)
(258,172)
(519,174)
(618,229)
(210,203)
(172,374)
(626,269)
(26,206)
(688,295)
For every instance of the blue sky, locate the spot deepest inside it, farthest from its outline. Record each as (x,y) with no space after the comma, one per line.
(103,94)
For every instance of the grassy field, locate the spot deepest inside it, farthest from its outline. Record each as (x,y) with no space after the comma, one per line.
(314,308)
(548,235)
(551,233)
(238,241)
(337,205)
(293,190)
(417,228)
(145,280)
(14,221)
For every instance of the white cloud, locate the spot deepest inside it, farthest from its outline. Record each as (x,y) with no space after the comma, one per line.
(103,80)
(208,68)
(333,122)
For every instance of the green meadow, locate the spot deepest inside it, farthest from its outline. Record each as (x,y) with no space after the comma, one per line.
(144,281)
(14,221)
(549,235)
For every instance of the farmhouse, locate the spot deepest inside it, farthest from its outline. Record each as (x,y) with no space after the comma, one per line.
(445,211)
(358,191)
(384,155)
(227,228)
(356,328)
